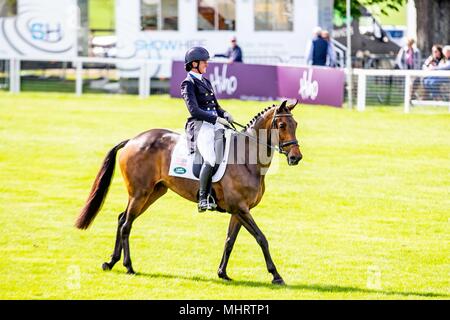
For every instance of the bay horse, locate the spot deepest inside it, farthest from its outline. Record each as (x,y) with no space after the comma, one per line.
(145,161)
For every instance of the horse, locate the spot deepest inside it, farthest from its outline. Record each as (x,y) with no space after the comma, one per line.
(145,161)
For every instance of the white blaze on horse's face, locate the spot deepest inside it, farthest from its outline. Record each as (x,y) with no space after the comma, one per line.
(287,126)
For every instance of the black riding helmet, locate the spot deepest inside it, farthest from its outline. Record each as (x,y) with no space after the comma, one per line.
(195,54)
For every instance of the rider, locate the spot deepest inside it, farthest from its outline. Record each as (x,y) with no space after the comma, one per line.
(206,118)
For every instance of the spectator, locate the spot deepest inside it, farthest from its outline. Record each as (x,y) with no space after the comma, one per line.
(331,57)
(436,61)
(408,57)
(446,64)
(234,53)
(318,50)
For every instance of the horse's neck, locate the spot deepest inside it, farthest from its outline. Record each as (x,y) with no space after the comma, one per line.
(260,130)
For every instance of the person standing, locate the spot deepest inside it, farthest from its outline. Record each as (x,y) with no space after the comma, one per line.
(331,56)
(318,50)
(408,57)
(234,52)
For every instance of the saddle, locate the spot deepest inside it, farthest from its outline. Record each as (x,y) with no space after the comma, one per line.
(187,165)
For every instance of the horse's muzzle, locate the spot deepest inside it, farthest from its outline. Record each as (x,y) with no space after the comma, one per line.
(294,159)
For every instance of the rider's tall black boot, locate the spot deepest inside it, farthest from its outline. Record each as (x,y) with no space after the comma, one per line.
(211,202)
(205,182)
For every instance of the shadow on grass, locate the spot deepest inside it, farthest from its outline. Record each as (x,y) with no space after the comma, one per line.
(310,287)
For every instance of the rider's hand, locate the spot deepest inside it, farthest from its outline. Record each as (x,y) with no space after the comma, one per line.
(223,122)
(228,117)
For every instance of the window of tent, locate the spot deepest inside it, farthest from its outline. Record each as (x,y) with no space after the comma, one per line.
(273,15)
(159,14)
(216,15)
(8,8)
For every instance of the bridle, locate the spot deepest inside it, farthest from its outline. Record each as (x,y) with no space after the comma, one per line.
(281,145)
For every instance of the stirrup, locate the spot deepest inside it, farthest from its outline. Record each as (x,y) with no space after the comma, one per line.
(203,205)
(211,203)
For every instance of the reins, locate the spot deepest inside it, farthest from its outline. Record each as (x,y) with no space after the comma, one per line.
(280,146)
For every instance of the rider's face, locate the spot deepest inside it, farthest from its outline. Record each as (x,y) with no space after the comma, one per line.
(202,66)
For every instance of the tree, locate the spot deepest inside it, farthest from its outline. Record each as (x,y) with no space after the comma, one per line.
(385,5)
(433,23)
(433,18)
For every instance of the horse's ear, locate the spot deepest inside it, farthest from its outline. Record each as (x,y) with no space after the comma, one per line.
(292,106)
(282,105)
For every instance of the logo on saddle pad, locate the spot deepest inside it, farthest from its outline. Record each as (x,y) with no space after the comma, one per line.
(179,170)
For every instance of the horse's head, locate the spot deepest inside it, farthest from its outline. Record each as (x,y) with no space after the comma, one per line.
(286,125)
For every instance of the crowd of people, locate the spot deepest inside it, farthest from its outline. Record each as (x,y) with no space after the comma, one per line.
(409,58)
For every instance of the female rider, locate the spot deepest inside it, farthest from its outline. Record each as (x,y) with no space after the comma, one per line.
(206,118)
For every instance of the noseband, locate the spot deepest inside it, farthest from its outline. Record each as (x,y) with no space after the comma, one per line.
(282,145)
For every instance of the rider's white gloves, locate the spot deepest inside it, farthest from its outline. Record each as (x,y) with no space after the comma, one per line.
(223,122)
(228,117)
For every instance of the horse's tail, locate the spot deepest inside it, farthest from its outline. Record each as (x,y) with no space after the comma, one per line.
(99,189)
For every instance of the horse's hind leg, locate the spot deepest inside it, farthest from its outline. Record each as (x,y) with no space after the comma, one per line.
(118,245)
(136,206)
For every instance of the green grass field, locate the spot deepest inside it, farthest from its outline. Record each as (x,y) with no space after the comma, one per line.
(370,197)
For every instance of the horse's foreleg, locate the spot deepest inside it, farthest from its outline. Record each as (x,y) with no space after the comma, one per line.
(233,230)
(118,245)
(247,221)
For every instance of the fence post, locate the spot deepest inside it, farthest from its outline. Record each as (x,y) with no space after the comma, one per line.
(141,80)
(147,80)
(407,98)
(79,78)
(14,75)
(18,88)
(361,99)
(144,80)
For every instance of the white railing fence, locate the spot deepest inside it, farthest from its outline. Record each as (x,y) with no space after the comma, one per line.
(401,87)
(79,70)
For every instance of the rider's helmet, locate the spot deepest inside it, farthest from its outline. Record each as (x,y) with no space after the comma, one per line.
(195,54)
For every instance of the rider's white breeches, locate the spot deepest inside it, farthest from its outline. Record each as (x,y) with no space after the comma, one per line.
(205,141)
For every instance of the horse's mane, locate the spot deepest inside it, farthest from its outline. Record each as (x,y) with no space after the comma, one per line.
(252,122)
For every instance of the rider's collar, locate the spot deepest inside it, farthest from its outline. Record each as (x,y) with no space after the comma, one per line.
(196,75)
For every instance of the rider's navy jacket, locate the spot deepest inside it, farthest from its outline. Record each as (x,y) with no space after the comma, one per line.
(199,98)
(201,103)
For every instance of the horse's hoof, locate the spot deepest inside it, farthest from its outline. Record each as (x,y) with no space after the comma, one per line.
(106,266)
(224,276)
(132,272)
(279,282)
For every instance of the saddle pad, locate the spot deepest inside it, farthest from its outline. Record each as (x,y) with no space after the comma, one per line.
(181,162)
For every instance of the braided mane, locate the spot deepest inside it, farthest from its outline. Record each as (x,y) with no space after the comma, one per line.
(252,122)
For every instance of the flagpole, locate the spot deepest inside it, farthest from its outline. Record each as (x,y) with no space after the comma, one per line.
(349,56)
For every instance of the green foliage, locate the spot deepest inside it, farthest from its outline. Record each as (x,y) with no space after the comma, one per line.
(101,14)
(371,192)
(385,6)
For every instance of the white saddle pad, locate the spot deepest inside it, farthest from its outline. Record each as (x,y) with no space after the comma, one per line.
(182,162)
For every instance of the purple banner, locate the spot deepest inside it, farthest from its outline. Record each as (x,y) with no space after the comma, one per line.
(310,85)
